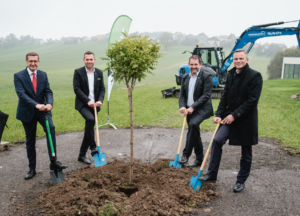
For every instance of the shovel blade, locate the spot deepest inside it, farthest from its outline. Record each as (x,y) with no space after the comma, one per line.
(175,163)
(100,158)
(57,177)
(195,182)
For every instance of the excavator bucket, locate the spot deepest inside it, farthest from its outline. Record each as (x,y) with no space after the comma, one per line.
(166,93)
(217,93)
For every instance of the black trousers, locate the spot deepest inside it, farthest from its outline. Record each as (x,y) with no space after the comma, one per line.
(193,139)
(88,139)
(30,131)
(216,153)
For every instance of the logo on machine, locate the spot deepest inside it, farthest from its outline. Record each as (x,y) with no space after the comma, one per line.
(275,33)
(259,34)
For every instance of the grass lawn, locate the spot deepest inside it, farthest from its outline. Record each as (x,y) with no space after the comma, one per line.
(277,112)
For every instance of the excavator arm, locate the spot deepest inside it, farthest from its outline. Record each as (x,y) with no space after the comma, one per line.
(254,33)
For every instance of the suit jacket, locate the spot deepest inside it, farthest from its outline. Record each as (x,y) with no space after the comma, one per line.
(202,94)
(81,87)
(27,98)
(240,98)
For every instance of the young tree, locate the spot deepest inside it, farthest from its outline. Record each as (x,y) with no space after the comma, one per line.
(132,59)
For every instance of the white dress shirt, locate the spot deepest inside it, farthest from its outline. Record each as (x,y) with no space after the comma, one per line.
(90,76)
(30,74)
(192,83)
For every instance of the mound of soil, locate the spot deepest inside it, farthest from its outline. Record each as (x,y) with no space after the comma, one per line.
(157,190)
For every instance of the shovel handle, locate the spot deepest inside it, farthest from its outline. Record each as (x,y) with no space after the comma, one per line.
(49,135)
(96,129)
(209,147)
(181,136)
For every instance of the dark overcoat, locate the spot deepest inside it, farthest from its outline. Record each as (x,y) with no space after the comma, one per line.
(240,98)
(202,94)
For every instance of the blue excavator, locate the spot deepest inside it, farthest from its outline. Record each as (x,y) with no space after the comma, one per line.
(213,57)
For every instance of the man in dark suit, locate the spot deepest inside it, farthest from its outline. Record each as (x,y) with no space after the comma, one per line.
(238,108)
(35,99)
(90,91)
(195,103)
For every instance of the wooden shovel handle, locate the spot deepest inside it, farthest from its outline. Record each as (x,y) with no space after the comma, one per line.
(96,129)
(181,136)
(209,147)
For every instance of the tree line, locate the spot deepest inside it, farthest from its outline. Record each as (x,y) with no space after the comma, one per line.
(12,40)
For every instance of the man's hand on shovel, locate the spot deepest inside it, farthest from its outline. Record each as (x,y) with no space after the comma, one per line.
(217,120)
(186,111)
(98,104)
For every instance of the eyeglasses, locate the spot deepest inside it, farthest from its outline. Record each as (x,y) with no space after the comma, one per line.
(35,61)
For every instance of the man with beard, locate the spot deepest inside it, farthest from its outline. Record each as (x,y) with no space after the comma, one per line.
(195,104)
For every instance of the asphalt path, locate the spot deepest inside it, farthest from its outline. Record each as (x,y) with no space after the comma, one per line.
(273,187)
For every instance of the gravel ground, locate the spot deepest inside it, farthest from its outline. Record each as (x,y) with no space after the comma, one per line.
(273,187)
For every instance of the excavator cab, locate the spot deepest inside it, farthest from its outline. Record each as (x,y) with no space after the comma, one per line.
(212,59)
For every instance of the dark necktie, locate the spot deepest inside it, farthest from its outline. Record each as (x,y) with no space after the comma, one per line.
(34,82)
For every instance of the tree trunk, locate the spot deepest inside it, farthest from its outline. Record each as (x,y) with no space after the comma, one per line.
(131,135)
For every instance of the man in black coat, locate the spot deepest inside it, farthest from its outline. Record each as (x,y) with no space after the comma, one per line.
(90,91)
(195,103)
(238,109)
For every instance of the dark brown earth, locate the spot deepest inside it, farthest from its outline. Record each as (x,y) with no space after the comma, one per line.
(94,191)
(273,187)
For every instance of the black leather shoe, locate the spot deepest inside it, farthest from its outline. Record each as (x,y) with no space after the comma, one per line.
(84,159)
(238,187)
(30,174)
(94,151)
(208,178)
(57,165)
(183,159)
(195,163)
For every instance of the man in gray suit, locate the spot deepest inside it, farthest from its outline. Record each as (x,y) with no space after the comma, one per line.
(195,104)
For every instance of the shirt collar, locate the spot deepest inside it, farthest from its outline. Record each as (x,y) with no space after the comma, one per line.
(190,74)
(88,71)
(30,72)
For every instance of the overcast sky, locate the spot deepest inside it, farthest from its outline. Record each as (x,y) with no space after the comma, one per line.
(62,18)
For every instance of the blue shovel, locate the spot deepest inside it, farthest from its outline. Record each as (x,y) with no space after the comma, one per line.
(99,158)
(175,163)
(195,182)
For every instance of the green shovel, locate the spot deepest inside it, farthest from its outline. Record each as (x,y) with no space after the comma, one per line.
(56,175)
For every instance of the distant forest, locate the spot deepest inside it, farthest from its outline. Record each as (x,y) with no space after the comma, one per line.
(167,39)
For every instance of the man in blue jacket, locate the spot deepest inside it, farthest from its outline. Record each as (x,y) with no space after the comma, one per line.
(35,101)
